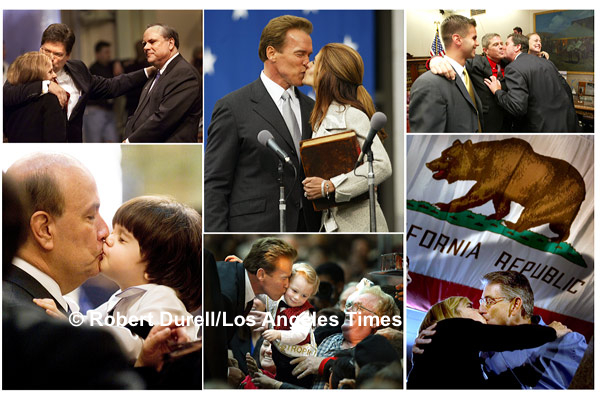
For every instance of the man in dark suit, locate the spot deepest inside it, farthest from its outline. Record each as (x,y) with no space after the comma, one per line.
(491,62)
(75,84)
(440,105)
(64,241)
(170,106)
(537,95)
(266,270)
(241,176)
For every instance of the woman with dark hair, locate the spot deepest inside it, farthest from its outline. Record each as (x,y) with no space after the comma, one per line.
(40,119)
(451,360)
(343,104)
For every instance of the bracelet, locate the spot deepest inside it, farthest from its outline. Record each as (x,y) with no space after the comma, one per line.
(327,189)
(323,188)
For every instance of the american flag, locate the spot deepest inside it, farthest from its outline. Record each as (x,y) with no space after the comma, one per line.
(436,46)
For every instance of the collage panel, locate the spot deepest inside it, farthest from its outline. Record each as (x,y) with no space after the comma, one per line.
(500,243)
(497,71)
(268,159)
(310,311)
(102,275)
(102,76)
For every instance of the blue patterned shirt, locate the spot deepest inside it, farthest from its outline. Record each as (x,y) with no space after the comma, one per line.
(550,366)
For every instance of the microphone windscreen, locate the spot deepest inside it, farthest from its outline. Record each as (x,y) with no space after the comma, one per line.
(378,121)
(264,136)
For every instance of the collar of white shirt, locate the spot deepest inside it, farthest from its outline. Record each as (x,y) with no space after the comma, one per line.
(457,67)
(131,293)
(45,280)
(248,293)
(275,91)
(162,70)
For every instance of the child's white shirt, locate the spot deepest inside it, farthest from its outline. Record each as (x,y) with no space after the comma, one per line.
(157,304)
(299,329)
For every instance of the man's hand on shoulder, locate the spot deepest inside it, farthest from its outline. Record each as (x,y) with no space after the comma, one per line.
(59,92)
(440,66)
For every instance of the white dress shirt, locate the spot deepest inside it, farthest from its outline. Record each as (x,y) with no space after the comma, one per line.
(275,91)
(68,84)
(45,280)
(248,292)
(162,70)
(145,302)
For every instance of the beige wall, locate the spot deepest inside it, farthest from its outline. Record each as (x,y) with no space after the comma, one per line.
(420,28)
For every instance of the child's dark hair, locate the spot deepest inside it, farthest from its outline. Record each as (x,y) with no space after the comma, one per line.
(170,237)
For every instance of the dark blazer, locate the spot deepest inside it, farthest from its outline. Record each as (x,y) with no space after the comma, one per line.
(171,111)
(38,120)
(215,335)
(91,86)
(19,289)
(439,105)
(538,96)
(495,118)
(240,174)
(233,288)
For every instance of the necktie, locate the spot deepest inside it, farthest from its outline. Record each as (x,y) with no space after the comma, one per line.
(155,80)
(291,122)
(469,86)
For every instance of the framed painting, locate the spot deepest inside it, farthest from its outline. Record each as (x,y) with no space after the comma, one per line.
(568,36)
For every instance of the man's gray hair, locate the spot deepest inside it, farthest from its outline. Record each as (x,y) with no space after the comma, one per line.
(485,40)
(513,284)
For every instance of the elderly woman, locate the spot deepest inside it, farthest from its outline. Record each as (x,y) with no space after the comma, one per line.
(343,104)
(535,46)
(451,360)
(40,119)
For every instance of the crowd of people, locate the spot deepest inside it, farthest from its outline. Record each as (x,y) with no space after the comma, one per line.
(49,97)
(511,87)
(304,327)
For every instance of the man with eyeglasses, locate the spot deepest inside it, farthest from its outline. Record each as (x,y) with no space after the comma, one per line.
(507,299)
(363,310)
(74,85)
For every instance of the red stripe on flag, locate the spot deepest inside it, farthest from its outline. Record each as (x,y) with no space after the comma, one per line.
(424,291)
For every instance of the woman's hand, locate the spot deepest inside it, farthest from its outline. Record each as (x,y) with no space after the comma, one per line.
(561,330)
(50,306)
(233,258)
(316,188)
(264,382)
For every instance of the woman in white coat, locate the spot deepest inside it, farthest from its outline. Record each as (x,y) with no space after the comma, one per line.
(343,104)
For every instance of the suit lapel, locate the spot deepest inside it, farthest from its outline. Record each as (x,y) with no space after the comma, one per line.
(28,283)
(81,84)
(463,90)
(266,108)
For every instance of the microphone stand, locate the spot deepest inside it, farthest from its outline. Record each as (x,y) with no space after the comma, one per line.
(371,184)
(282,205)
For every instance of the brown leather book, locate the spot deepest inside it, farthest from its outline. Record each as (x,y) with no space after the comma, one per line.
(329,156)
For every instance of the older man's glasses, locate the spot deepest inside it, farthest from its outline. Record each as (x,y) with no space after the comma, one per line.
(356,306)
(490,301)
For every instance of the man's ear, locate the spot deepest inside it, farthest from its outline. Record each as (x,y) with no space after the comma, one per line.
(260,274)
(457,39)
(271,53)
(171,44)
(515,308)
(43,229)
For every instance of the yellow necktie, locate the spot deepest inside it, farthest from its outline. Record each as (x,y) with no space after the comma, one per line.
(469,86)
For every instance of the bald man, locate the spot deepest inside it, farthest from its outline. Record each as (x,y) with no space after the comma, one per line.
(63,247)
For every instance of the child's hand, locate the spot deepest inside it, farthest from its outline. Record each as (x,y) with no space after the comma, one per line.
(50,306)
(271,335)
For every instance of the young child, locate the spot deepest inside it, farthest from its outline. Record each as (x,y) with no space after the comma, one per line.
(154,255)
(293,335)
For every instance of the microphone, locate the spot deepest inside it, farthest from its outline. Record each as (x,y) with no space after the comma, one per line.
(378,121)
(266,139)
